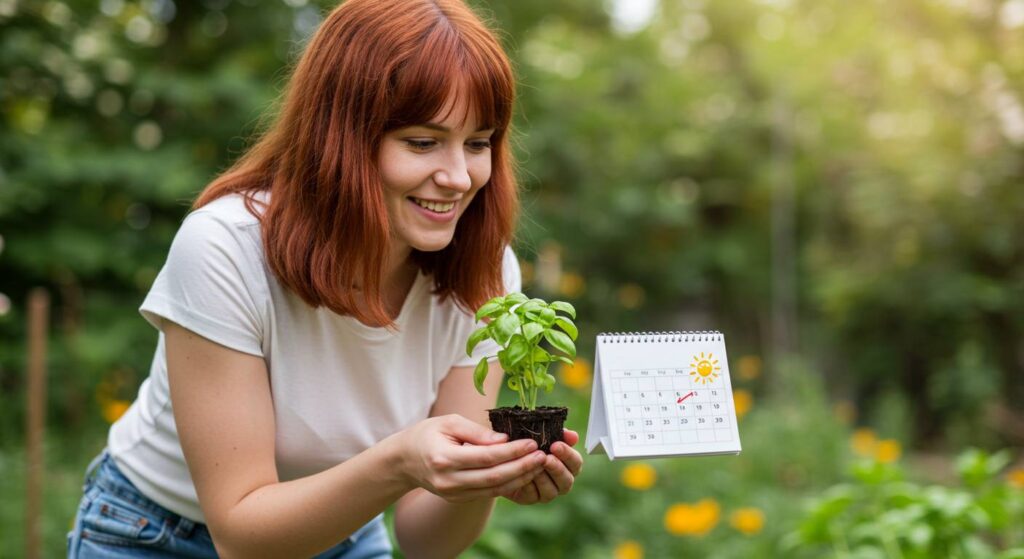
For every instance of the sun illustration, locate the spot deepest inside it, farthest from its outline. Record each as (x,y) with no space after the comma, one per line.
(704,369)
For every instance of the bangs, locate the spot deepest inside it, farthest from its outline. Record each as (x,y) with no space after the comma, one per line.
(451,63)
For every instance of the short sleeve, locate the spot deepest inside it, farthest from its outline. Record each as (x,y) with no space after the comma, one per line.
(207,284)
(513,279)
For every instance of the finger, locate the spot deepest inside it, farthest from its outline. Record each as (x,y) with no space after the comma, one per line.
(546,486)
(508,488)
(474,456)
(469,431)
(559,474)
(500,474)
(572,459)
(570,437)
(526,495)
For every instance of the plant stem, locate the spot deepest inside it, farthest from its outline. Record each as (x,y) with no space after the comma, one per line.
(533,389)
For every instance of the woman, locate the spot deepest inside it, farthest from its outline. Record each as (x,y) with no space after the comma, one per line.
(313,312)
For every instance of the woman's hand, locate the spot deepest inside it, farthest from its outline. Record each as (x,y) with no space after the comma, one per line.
(560,470)
(435,458)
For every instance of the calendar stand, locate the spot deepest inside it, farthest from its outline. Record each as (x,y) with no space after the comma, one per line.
(662,394)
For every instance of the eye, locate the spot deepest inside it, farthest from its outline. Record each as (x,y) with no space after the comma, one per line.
(420,144)
(480,145)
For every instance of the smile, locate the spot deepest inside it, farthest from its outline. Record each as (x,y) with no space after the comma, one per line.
(436,207)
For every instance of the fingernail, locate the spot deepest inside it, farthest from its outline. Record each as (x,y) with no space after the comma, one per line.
(530,445)
(499,436)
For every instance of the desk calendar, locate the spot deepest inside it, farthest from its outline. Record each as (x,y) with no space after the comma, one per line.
(661,394)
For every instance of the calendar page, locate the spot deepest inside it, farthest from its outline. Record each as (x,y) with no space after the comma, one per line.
(662,394)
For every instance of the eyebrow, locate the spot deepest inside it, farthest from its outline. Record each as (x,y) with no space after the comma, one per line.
(441,128)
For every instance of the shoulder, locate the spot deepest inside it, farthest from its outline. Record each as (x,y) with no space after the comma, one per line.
(224,227)
(510,272)
(228,211)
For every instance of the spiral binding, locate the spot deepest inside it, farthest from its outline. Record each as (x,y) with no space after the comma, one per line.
(673,336)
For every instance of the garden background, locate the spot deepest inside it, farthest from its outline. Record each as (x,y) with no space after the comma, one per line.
(837,186)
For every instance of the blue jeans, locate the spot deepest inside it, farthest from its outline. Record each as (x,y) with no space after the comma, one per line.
(115,520)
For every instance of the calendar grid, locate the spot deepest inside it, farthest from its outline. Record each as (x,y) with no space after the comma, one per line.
(667,406)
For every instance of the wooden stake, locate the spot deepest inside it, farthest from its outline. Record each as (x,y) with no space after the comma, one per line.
(38,319)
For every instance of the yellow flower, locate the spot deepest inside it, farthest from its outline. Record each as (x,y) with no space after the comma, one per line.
(683,519)
(750,367)
(864,441)
(748,520)
(1016,478)
(113,409)
(639,476)
(629,549)
(887,451)
(742,401)
(631,296)
(844,411)
(572,285)
(577,375)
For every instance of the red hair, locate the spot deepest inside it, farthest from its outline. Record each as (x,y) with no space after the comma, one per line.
(374,66)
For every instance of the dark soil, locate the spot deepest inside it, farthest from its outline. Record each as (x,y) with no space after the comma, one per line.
(543,424)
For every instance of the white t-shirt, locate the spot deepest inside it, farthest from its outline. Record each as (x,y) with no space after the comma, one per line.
(338,385)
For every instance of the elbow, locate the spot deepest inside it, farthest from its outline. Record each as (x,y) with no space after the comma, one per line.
(233,541)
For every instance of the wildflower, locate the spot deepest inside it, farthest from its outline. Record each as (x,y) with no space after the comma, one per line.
(748,520)
(683,519)
(577,375)
(1016,478)
(639,477)
(742,401)
(112,410)
(864,441)
(887,451)
(749,367)
(629,549)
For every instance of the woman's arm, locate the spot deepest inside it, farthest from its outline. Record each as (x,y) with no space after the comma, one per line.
(426,525)
(225,420)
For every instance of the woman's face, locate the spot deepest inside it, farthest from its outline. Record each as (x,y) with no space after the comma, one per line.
(431,172)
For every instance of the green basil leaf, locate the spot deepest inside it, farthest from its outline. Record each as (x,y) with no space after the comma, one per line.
(504,327)
(531,330)
(489,309)
(479,374)
(475,338)
(515,298)
(540,355)
(503,359)
(518,349)
(561,342)
(564,359)
(513,383)
(564,307)
(528,307)
(547,317)
(568,326)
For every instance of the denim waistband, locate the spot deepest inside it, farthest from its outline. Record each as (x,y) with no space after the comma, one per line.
(104,473)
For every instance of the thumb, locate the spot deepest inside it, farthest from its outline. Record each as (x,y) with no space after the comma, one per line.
(472,432)
(570,437)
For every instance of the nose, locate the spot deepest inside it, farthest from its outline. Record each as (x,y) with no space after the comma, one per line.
(454,174)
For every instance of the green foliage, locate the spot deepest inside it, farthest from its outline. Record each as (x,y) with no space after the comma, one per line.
(880,514)
(656,168)
(518,324)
